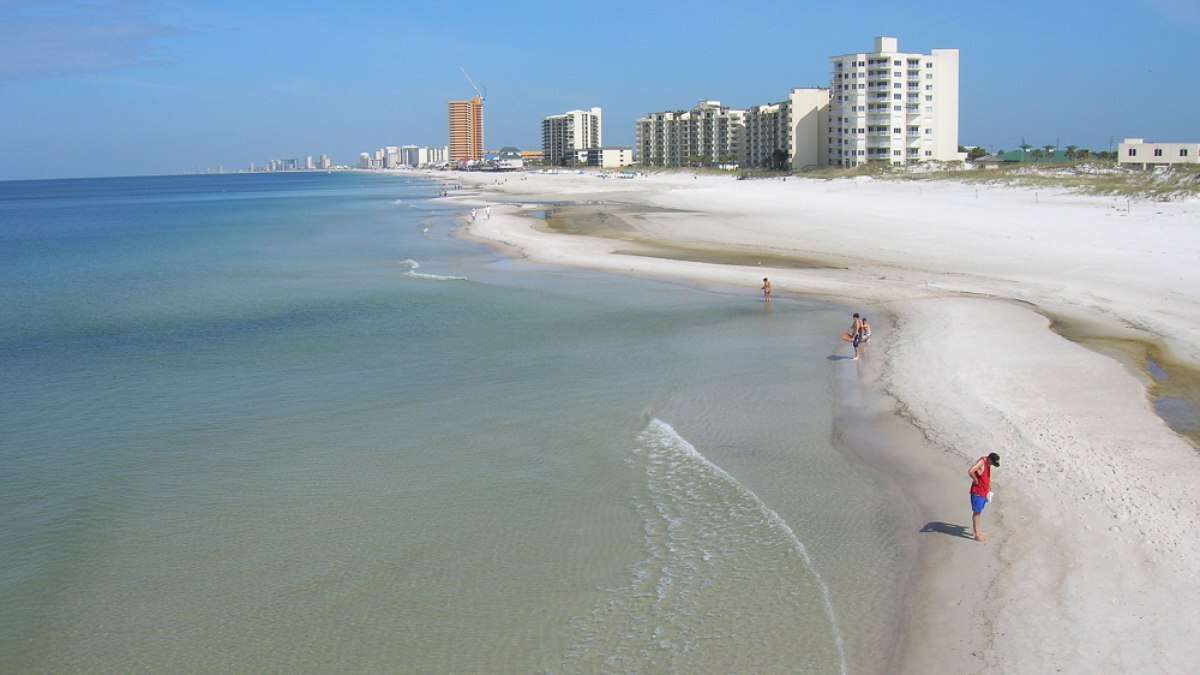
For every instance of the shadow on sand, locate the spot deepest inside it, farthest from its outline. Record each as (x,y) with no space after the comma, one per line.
(948,529)
(838,357)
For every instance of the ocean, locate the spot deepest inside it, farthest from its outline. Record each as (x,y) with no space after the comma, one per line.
(289,422)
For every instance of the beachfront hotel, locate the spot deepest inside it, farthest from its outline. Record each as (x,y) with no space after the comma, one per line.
(563,136)
(466,130)
(891,106)
(709,133)
(796,127)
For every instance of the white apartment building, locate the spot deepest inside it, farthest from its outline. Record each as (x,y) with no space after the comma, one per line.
(1138,151)
(391,157)
(573,130)
(708,133)
(796,126)
(891,106)
(605,158)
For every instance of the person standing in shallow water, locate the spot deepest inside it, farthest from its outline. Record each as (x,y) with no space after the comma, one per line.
(981,489)
(855,333)
(766,289)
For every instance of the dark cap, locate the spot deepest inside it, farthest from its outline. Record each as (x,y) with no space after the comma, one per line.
(994,459)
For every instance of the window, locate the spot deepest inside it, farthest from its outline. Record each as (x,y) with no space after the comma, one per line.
(1158,152)
(929,64)
(895,153)
(1133,152)
(896,73)
(928,98)
(929,87)
(929,153)
(897,85)
(1183,152)
(896,108)
(896,97)
(928,131)
(929,76)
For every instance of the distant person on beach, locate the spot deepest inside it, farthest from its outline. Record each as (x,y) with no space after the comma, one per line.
(866,331)
(488,209)
(856,333)
(766,289)
(981,489)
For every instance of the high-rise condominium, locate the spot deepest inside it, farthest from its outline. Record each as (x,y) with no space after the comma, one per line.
(894,107)
(466,130)
(563,135)
(789,134)
(709,133)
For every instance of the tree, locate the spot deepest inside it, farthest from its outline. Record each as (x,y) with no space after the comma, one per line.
(1071,151)
(976,152)
(778,159)
(1082,153)
(1049,150)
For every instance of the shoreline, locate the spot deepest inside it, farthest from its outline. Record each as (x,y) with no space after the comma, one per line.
(1060,592)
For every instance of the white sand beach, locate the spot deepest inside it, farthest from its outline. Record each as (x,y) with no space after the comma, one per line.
(1093,550)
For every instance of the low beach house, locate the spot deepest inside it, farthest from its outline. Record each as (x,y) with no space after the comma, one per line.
(1137,151)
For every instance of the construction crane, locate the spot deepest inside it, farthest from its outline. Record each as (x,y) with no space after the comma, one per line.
(481,94)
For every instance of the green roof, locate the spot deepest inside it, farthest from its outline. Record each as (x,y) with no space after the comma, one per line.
(1030,156)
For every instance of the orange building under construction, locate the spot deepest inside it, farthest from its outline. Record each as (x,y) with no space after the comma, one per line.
(466,130)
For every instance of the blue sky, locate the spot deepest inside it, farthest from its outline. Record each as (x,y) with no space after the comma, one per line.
(90,88)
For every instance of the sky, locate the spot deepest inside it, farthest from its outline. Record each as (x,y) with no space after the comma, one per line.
(133,87)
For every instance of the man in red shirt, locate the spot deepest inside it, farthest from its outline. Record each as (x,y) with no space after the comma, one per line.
(981,488)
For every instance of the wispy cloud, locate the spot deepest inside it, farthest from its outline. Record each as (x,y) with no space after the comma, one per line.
(59,37)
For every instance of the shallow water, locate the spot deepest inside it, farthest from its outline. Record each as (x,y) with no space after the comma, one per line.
(287,422)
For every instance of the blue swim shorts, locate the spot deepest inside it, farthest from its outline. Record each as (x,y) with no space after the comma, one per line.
(977,503)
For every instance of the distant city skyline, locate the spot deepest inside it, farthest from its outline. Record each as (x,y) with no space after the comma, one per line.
(126,88)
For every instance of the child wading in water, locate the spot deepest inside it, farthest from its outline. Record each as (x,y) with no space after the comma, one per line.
(766,289)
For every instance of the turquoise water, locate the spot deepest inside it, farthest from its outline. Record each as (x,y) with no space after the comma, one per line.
(288,422)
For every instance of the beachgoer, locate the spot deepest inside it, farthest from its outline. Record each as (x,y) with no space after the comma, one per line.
(981,489)
(856,333)
(488,208)
(766,289)
(472,215)
(866,331)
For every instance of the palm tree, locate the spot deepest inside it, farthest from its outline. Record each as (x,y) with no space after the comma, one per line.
(1071,151)
(1049,150)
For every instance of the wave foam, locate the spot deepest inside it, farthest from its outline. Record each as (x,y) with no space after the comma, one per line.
(413,266)
(667,432)
(725,582)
